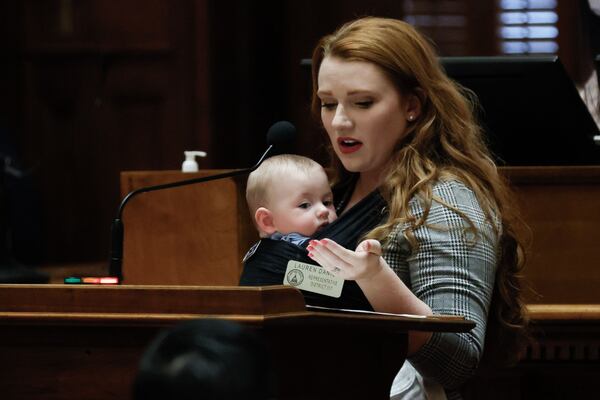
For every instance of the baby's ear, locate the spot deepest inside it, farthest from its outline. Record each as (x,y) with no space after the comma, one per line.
(264,220)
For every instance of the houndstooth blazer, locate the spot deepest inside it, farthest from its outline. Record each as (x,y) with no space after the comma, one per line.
(452,270)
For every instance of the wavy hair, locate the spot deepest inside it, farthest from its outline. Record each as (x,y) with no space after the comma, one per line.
(445,142)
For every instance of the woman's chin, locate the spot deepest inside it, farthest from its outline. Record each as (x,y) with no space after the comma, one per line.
(351,165)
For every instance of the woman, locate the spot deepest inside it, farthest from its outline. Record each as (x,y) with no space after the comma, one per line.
(398,125)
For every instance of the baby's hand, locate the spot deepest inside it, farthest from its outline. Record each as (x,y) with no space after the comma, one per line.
(363,263)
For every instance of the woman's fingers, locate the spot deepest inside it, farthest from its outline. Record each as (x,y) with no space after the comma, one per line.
(338,260)
(325,257)
(343,262)
(370,246)
(345,255)
(326,264)
(329,260)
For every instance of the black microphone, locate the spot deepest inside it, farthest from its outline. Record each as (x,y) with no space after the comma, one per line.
(279,134)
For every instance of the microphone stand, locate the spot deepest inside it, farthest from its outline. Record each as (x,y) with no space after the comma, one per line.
(117,229)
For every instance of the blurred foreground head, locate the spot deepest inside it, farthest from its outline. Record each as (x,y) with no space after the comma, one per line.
(204,360)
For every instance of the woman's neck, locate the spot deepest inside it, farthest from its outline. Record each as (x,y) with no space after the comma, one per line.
(365,184)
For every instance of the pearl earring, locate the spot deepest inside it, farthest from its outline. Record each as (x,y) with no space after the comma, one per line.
(411,117)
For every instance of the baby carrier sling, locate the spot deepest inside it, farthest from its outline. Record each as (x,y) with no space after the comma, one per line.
(266,262)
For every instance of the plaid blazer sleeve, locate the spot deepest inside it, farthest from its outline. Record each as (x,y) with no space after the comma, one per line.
(452,270)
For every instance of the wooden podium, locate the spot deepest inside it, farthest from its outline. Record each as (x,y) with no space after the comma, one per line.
(190,235)
(85,342)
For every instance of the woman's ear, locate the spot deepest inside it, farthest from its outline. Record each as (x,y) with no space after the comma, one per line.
(414,104)
(264,221)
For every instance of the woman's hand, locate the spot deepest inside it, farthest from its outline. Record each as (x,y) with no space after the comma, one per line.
(382,287)
(363,263)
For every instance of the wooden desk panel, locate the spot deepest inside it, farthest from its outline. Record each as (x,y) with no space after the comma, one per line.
(170,233)
(84,342)
(561,205)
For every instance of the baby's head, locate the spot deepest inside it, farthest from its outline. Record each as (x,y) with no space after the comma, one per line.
(290,193)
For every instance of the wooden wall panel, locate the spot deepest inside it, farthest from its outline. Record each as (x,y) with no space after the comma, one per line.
(107,86)
(560,206)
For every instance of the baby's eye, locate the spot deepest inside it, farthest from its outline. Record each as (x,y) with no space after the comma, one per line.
(328,203)
(304,205)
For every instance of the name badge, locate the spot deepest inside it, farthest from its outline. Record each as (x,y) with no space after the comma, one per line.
(312,278)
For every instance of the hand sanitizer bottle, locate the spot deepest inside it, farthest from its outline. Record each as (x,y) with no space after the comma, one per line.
(190,164)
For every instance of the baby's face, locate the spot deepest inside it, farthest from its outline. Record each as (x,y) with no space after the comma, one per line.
(302,203)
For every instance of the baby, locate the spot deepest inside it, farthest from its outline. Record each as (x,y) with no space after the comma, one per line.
(290,198)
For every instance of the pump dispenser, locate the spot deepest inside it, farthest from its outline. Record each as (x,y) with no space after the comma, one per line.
(190,164)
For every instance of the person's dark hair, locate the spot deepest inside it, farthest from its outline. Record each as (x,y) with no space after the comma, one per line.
(204,359)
